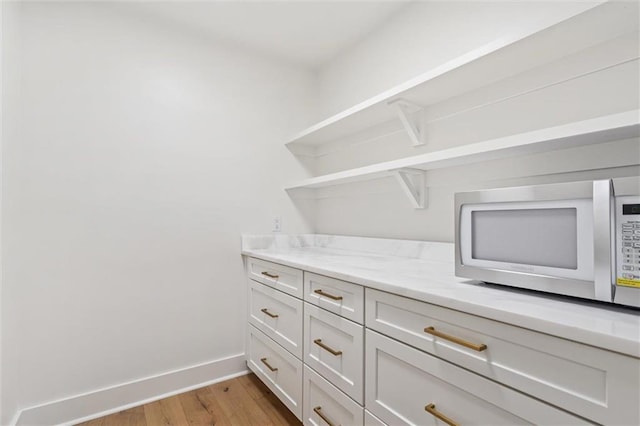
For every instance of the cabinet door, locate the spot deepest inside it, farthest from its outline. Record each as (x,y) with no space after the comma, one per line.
(333,346)
(280,277)
(277,315)
(340,297)
(277,368)
(594,383)
(325,405)
(407,386)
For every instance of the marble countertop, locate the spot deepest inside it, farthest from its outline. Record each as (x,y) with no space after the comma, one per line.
(425,271)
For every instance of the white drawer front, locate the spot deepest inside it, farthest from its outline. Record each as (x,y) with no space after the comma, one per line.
(325,404)
(340,297)
(277,276)
(325,333)
(371,420)
(594,383)
(402,382)
(277,315)
(277,368)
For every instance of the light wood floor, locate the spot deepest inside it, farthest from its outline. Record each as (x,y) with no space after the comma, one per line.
(241,401)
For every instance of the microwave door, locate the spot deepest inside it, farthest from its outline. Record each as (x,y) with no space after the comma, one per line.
(542,245)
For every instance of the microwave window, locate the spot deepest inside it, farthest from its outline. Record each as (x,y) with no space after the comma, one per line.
(540,237)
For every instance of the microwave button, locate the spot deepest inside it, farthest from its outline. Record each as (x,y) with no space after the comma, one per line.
(636,245)
(627,250)
(629,232)
(637,226)
(627,237)
(627,244)
(627,268)
(627,226)
(627,275)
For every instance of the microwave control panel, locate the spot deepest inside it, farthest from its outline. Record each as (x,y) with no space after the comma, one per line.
(627,218)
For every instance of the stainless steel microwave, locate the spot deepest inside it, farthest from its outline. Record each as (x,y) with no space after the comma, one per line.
(578,239)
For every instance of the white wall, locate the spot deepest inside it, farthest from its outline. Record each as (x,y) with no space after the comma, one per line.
(9,87)
(2,76)
(379,208)
(141,155)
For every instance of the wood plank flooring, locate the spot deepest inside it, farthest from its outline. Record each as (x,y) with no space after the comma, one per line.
(241,401)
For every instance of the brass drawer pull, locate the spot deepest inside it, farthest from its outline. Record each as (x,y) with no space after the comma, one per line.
(330,296)
(481,347)
(431,409)
(264,361)
(274,276)
(327,348)
(266,311)
(318,411)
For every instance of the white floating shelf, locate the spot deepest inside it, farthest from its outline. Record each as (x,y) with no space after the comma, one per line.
(608,128)
(508,56)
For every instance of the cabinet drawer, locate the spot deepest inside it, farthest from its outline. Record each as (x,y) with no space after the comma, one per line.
(333,346)
(340,297)
(277,276)
(324,404)
(277,368)
(402,382)
(277,315)
(594,383)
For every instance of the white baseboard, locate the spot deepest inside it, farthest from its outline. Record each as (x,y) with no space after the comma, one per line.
(102,402)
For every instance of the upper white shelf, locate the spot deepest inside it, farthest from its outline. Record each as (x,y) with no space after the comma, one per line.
(503,58)
(587,132)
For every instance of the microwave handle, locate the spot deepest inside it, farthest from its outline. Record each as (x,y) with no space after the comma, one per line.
(603,223)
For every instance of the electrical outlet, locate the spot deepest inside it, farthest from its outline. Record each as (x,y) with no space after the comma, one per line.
(277,224)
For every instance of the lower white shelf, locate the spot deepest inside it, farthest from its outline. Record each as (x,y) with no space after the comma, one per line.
(603,129)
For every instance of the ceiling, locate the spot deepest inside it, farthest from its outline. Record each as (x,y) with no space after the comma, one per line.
(307,33)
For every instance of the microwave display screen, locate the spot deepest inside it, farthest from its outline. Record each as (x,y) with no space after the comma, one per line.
(630,209)
(536,237)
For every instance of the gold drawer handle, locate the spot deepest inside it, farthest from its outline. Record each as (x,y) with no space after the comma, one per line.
(264,361)
(327,348)
(274,276)
(431,409)
(318,411)
(481,347)
(330,296)
(266,311)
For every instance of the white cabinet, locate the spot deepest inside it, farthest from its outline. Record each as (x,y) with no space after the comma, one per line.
(407,386)
(598,384)
(333,346)
(325,405)
(277,368)
(349,355)
(280,277)
(371,420)
(281,325)
(277,315)
(340,297)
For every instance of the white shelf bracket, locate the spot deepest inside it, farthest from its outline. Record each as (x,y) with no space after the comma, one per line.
(413,183)
(407,113)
